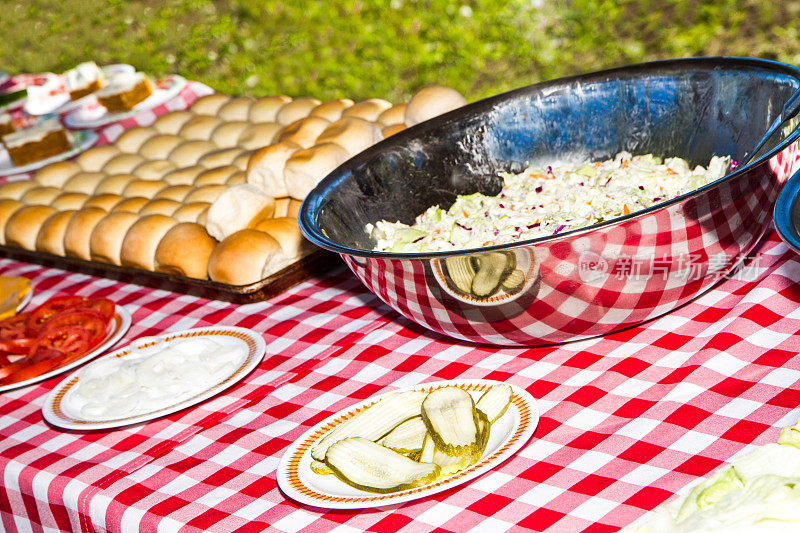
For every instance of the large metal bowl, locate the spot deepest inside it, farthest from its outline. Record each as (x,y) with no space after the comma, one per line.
(593,280)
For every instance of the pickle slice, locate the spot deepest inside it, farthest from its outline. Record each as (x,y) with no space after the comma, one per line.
(493,268)
(495,401)
(366,465)
(375,421)
(450,416)
(320,468)
(513,281)
(461,272)
(407,437)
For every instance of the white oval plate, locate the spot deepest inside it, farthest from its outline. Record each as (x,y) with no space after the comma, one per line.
(26,299)
(120,325)
(58,407)
(508,435)
(93,115)
(69,105)
(81,140)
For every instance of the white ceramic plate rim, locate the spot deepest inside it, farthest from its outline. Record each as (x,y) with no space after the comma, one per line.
(26,299)
(81,140)
(257,348)
(123,321)
(159,96)
(69,105)
(290,479)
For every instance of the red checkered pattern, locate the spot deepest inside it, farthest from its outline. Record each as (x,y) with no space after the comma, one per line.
(651,264)
(627,419)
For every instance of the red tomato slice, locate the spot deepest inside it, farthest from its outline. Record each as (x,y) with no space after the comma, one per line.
(69,340)
(25,369)
(91,321)
(16,346)
(104,306)
(41,314)
(14,327)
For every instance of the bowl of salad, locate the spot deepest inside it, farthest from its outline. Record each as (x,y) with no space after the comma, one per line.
(567,209)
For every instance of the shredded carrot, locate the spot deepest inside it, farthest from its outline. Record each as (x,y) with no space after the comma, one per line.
(671,172)
(624,164)
(625,209)
(488,243)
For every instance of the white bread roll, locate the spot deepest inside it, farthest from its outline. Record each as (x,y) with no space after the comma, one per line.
(79,232)
(388,131)
(131,140)
(154,170)
(41,195)
(24,224)
(296,109)
(287,232)
(305,168)
(184,251)
(282,206)
(218,158)
(85,182)
(160,146)
(123,164)
(183,176)
(241,258)
(242,160)
(15,190)
(256,136)
(206,193)
(209,104)
(105,243)
(50,238)
(141,240)
(189,152)
(131,205)
(236,209)
(144,188)
(159,206)
(304,132)
(105,201)
(394,115)
(191,212)
(215,176)
(431,102)
(173,121)
(227,134)
(266,109)
(236,109)
(367,109)
(114,184)
(237,178)
(265,169)
(174,192)
(351,133)
(57,174)
(70,200)
(7,208)
(293,209)
(95,158)
(199,128)
(332,109)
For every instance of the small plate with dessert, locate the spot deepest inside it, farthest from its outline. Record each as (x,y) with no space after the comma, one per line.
(43,90)
(79,84)
(44,142)
(122,96)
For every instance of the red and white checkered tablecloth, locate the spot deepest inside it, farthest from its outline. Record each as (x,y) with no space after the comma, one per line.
(627,420)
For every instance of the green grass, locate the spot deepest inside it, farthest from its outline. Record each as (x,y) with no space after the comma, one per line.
(370,48)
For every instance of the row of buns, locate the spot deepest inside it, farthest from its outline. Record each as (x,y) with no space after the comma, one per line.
(208,192)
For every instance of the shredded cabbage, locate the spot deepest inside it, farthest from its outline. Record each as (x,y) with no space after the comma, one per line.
(547,201)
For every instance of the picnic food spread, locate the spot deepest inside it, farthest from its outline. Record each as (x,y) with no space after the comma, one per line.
(208,187)
(546,201)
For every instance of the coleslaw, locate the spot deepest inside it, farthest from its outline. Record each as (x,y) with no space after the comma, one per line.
(548,201)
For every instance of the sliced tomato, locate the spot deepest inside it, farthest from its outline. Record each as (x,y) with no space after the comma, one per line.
(85,318)
(14,327)
(41,314)
(69,340)
(25,369)
(16,346)
(104,306)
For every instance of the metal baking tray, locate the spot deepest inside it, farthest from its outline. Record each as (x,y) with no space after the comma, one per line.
(314,264)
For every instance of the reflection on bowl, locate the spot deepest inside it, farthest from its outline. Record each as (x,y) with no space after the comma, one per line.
(592,280)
